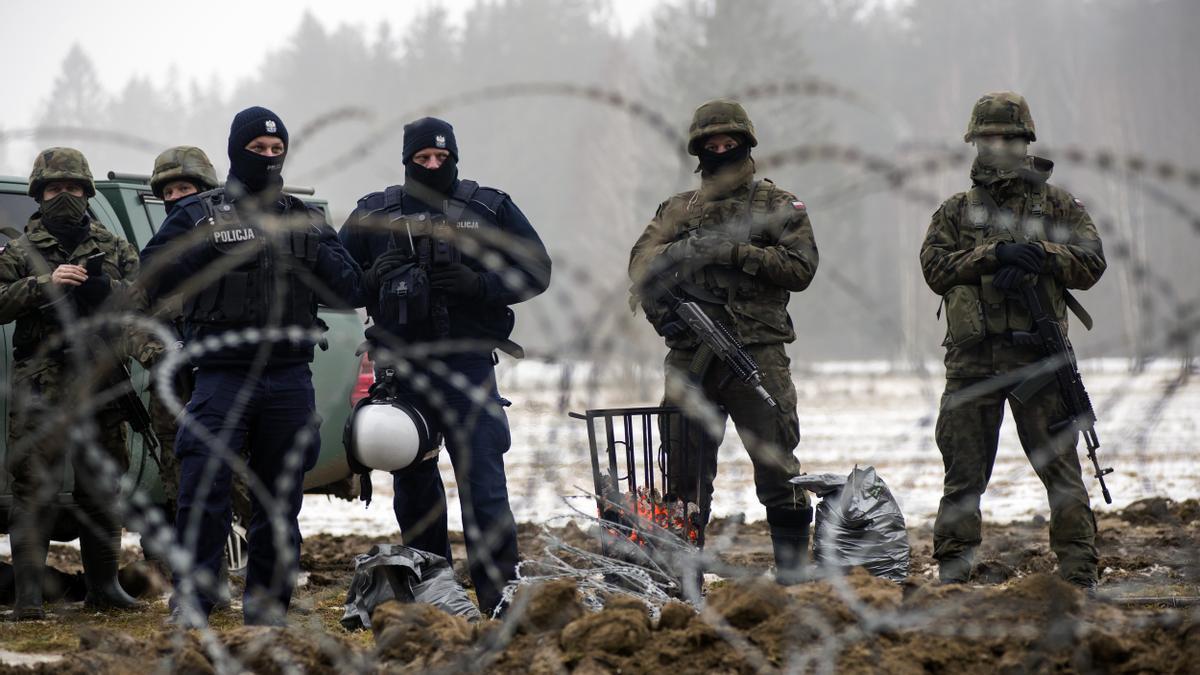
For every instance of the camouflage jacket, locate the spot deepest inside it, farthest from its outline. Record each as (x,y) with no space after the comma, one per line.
(960,250)
(777,254)
(28,297)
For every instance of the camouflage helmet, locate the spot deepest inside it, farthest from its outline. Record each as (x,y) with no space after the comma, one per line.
(183,162)
(60,164)
(998,113)
(719,116)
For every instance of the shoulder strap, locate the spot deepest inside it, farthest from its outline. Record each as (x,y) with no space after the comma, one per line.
(1037,200)
(392,197)
(490,199)
(1077,309)
(760,208)
(457,204)
(760,197)
(980,208)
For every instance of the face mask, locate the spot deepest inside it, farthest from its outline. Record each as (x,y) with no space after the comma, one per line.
(712,162)
(1006,155)
(440,179)
(257,172)
(64,208)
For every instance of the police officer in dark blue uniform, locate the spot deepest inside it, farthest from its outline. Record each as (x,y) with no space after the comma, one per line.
(444,260)
(250,262)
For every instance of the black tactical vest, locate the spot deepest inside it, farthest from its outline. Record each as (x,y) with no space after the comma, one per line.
(270,281)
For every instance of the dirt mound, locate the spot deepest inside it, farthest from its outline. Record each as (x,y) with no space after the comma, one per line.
(275,651)
(547,607)
(335,553)
(108,651)
(618,630)
(1017,616)
(1161,511)
(420,637)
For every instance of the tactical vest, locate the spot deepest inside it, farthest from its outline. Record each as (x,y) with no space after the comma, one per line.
(411,308)
(272,286)
(721,285)
(987,222)
(33,331)
(455,208)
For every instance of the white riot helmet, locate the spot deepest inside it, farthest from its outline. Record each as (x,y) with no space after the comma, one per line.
(388,434)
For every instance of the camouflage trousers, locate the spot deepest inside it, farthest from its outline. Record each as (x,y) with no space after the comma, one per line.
(968,429)
(164,425)
(770,435)
(41,418)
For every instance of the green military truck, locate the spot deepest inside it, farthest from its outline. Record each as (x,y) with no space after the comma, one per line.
(125,205)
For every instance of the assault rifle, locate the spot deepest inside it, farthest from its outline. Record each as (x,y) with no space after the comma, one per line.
(1061,368)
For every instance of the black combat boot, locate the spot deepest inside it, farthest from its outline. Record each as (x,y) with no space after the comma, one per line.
(789,538)
(29,548)
(955,569)
(100,548)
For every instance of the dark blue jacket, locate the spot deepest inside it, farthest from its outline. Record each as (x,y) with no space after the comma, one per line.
(524,271)
(339,276)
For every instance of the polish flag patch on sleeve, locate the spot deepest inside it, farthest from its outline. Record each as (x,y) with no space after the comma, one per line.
(1078,202)
(798,205)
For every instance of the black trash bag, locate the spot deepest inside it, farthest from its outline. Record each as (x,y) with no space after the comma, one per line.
(395,572)
(858,523)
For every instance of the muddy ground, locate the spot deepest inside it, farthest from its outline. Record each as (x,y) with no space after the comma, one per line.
(1016,616)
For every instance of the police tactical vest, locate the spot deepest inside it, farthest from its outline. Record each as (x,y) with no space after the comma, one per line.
(271,282)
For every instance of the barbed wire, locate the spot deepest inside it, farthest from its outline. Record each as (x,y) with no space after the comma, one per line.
(819,638)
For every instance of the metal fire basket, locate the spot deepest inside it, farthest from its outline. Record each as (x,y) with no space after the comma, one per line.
(631,470)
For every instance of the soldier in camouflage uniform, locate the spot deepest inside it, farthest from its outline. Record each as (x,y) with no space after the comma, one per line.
(179,172)
(739,247)
(1010,228)
(43,283)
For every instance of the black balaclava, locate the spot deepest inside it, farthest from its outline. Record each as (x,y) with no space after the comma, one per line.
(64,216)
(254,171)
(712,162)
(440,179)
(431,132)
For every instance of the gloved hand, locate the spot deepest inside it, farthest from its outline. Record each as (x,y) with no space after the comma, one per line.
(389,261)
(1008,278)
(716,249)
(93,292)
(705,249)
(1028,256)
(456,280)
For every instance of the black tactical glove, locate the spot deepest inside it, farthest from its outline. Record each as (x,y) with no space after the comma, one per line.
(716,249)
(93,292)
(457,280)
(705,249)
(1029,256)
(1008,278)
(389,261)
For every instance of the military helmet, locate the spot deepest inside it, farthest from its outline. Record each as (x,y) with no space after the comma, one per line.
(999,113)
(183,162)
(60,164)
(719,116)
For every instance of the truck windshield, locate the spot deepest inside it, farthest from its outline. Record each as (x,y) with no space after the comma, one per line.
(15,209)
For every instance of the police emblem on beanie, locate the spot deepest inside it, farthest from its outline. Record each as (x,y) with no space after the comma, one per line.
(270,126)
(428,132)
